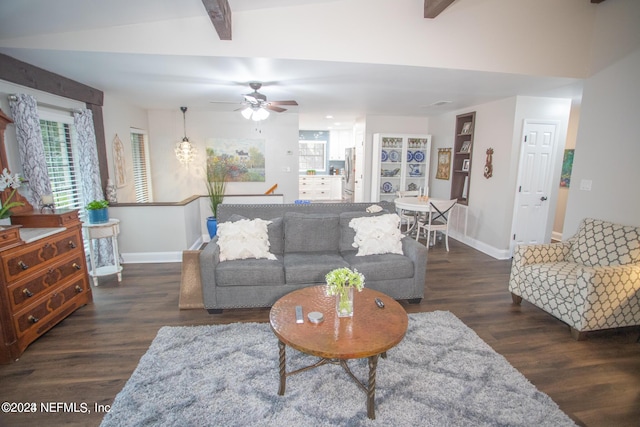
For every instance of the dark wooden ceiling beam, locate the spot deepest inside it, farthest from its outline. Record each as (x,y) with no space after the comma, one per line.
(433,8)
(21,73)
(220,15)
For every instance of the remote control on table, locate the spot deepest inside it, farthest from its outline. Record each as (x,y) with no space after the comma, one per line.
(299,318)
(379,303)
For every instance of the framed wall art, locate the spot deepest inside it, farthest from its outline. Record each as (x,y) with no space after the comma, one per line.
(567,166)
(465,165)
(444,163)
(243,158)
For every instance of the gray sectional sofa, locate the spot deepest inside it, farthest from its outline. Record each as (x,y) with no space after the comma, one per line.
(308,241)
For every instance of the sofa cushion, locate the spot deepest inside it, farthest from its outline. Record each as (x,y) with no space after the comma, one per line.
(250,272)
(275,230)
(602,243)
(558,279)
(348,234)
(380,267)
(377,235)
(244,239)
(308,268)
(311,232)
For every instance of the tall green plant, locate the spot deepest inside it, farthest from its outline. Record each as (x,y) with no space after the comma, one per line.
(217,174)
(216,194)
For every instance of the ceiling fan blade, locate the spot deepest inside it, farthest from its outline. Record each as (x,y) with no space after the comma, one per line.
(250,98)
(283,102)
(274,108)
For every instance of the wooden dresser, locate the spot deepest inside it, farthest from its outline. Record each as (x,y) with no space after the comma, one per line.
(44,277)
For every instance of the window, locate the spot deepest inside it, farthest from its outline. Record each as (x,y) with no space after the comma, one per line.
(312,155)
(141,166)
(59,138)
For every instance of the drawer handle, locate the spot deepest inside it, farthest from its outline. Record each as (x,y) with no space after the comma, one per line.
(27,292)
(79,289)
(76,266)
(72,245)
(22,265)
(33,319)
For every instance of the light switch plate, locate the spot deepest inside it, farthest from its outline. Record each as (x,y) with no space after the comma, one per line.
(585,184)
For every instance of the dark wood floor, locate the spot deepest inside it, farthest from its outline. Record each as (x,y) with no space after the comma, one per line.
(88,357)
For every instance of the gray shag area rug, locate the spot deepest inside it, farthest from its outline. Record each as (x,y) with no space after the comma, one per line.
(441,374)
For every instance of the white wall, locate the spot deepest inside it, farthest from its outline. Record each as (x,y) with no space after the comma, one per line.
(607,148)
(119,117)
(499,126)
(174,182)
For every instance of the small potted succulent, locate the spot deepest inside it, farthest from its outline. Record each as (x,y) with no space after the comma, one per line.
(97,211)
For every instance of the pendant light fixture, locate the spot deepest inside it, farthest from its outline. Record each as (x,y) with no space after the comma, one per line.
(185,151)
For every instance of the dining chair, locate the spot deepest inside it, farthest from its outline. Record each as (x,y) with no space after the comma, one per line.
(436,220)
(406,217)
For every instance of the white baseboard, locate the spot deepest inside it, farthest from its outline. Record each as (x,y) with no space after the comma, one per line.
(482,247)
(158,257)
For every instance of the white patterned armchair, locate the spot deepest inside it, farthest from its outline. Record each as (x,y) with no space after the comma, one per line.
(590,282)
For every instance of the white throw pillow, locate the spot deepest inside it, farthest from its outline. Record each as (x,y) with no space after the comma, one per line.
(244,239)
(377,235)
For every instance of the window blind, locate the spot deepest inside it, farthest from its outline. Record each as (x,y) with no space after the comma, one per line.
(141,167)
(59,142)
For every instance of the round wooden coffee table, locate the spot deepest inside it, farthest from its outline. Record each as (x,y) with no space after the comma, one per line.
(368,334)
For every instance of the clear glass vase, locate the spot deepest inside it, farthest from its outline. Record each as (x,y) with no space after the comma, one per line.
(344,302)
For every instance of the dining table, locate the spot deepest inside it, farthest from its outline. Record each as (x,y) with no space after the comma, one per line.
(417,205)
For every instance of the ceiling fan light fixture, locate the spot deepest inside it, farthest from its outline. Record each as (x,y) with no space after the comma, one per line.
(260,114)
(247,113)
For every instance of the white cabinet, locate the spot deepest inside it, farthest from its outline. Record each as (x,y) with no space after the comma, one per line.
(400,163)
(339,140)
(320,187)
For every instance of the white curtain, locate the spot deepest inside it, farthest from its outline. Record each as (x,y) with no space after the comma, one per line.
(24,110)
(89,170)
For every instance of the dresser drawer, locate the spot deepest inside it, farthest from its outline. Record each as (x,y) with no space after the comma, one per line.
(37,317)
(23,261)
(29,289)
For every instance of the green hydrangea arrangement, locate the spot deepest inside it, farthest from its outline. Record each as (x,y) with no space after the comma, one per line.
(340,280)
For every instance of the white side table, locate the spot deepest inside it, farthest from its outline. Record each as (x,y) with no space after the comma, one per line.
(109,229)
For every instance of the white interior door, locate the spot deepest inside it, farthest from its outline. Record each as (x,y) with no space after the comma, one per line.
(531,214)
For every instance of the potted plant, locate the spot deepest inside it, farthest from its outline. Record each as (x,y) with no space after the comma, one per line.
(217,174)
(341,282)
(9,181)
(97,211)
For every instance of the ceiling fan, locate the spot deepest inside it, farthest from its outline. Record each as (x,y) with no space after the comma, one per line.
(255,104)
(257,99)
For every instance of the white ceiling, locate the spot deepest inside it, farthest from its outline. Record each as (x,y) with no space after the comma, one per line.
(342,89)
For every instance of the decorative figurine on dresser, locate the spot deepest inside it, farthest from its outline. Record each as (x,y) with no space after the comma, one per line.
(43,277)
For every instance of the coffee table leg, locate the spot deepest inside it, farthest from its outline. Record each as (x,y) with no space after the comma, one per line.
(283,366)
(371,389)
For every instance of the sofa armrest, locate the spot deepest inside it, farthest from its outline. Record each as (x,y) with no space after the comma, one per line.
(418,254)
(607,297)
(535,254)
(209,259)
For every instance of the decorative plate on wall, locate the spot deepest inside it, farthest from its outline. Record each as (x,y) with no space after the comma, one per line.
(394,156)
(384,156)
(409,156)
(418,156)
(387,187)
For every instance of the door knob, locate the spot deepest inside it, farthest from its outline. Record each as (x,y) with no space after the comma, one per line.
(543,198)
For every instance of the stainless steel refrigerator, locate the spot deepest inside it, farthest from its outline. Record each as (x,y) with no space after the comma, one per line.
(349,175)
